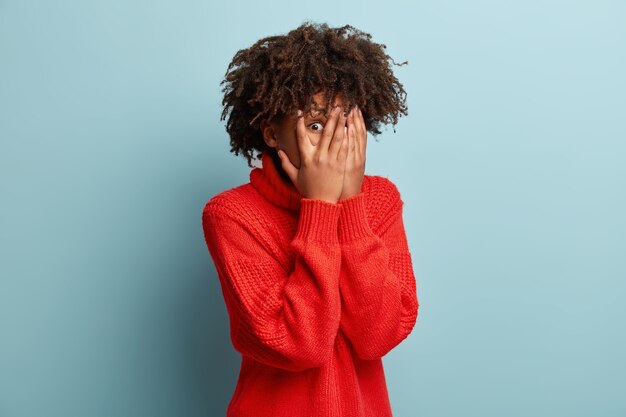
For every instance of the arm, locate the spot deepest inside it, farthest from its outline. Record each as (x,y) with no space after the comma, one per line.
(285,319)
(377,285)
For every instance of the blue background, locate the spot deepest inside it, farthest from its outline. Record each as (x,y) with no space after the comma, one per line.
(510,163)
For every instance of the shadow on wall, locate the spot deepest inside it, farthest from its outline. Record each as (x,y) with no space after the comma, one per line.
(208,365)
(220,363)
(223,362)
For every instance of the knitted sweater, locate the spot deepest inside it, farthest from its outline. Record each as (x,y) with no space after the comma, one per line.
(316,292)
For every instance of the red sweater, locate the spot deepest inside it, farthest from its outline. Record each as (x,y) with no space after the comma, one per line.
(317,293)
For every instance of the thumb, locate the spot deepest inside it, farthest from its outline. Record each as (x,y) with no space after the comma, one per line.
(290,169)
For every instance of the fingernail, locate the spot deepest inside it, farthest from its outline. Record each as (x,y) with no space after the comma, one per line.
(336,110)
(299,113)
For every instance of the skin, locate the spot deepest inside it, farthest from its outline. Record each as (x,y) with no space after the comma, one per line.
(324,158)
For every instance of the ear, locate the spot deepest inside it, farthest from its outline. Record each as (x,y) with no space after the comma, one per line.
(268,130)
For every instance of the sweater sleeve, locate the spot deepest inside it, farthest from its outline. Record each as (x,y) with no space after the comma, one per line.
(377,285)
(285,317)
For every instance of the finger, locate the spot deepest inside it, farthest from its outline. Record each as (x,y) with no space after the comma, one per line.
(351,135)
(304,143)
(344,150)
(359,135)
(329,130)
(363,135)
(361,119)
(338,136)
(290,169)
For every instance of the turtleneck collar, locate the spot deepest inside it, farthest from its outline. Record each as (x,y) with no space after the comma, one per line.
(269,182)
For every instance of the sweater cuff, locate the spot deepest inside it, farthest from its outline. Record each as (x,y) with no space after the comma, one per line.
(318,220)
(353,222)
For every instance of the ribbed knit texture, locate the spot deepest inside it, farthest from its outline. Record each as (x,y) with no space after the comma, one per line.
(316,292)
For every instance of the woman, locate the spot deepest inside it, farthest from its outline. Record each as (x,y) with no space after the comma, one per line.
(311,254)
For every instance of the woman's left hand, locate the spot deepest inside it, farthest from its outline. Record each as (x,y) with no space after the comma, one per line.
(355,162)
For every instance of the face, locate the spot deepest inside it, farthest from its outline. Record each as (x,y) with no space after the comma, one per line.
(282,135)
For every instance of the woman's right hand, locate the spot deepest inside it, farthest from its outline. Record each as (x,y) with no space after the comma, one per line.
(322,165)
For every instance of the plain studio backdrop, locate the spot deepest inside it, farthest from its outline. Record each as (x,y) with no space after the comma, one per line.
(511,164)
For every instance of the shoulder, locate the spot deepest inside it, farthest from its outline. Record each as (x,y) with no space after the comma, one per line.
(381,188)
(237,203)
(382,199)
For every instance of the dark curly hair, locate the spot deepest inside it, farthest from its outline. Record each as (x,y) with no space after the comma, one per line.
(280,74)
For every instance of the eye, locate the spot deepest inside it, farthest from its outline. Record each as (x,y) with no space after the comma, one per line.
(317,123)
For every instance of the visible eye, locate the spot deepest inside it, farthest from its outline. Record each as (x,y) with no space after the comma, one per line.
(317,123)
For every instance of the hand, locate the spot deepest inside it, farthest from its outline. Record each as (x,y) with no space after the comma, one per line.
(355,161)
(322,165)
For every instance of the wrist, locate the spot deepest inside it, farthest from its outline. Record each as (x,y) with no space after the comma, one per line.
(353,223)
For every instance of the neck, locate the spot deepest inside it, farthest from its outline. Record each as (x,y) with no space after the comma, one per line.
(277,163)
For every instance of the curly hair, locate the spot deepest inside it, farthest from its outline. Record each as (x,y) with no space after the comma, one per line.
(280,74)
